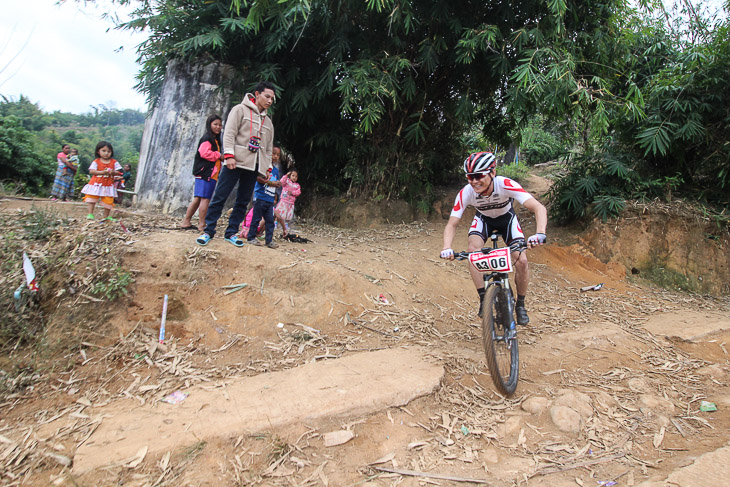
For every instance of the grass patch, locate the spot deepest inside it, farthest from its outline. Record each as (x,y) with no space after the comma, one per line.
(659,272)
(39,223)
(114,284)
(513,171)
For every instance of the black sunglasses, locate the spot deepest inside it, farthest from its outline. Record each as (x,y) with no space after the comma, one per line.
(476,176)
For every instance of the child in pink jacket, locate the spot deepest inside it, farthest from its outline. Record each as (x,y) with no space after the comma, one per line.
(284,211)
(247,224)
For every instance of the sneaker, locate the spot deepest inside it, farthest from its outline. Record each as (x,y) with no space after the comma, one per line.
(272,245)
(90,216)
(522,318)
(110,219)
(234,240)
(255,242)
(203,239)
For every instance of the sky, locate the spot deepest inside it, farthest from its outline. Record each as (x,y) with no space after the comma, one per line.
(65,57)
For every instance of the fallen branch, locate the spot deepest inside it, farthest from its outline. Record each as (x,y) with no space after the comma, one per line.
(585,463)
(414,473)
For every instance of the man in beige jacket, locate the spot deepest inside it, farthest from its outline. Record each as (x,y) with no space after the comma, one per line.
(248,141)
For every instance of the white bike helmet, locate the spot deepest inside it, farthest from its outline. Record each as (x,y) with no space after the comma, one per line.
(479,162)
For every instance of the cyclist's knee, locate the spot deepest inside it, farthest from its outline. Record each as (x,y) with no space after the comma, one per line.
(521,263)
(475,244)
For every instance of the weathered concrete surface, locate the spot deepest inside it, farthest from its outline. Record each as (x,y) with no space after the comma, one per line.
(190,93)
(688,325)
(354,385)
(709,470)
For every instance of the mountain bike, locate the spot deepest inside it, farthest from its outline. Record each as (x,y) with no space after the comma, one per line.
(499,330)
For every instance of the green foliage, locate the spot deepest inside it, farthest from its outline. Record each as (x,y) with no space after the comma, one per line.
(114,284)
(593,185)
(40,222)
(28,156)
(30,115)
(540,144)
(664,107)
(374,96)
(18,159)
(517,172)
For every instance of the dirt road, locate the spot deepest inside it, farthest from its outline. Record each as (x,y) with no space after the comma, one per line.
(608,392)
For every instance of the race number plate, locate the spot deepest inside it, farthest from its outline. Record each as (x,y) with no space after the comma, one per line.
(495,261)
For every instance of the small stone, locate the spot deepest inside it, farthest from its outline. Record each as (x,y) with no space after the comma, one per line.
(490,455)
(334,438)
(715,371)
(512,425)
(535,404)
(638,384)
(577,401)
(566,419)
(656,404)
(662,420)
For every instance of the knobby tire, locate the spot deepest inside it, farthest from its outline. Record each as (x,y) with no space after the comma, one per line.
(502,357)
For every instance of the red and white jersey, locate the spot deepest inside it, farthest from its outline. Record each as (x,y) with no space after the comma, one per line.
(494,205)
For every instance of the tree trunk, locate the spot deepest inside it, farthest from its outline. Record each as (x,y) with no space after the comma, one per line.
(509,157)
(190,93)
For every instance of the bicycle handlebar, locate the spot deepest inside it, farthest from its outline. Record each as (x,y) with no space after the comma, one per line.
(463,255)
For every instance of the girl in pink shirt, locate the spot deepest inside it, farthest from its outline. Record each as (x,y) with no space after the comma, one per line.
(285,209)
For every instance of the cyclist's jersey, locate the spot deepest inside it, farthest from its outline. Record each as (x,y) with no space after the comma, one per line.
(494,205)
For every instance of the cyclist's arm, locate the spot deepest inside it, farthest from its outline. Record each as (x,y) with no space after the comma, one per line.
(540,214)
(450,231)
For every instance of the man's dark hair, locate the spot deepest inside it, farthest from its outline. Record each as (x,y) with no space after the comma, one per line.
(264,85)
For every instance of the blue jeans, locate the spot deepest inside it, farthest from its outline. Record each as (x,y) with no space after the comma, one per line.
(262,209)
(226,182)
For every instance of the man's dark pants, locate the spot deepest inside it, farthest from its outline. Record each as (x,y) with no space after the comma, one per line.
(263,209)
(226,181)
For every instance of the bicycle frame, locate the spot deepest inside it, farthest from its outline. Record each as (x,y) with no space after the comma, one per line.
(499,332)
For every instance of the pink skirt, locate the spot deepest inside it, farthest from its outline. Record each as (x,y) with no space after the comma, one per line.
(285,210)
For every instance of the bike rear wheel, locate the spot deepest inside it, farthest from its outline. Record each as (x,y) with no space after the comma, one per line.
(500,344)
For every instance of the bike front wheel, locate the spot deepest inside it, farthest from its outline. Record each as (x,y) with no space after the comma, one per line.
(500,343)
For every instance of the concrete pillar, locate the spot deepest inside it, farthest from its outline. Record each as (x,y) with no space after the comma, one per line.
(190,93)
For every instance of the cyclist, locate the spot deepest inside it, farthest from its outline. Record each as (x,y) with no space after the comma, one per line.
(492,197)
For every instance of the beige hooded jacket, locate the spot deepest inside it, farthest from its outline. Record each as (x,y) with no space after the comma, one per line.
(244,121)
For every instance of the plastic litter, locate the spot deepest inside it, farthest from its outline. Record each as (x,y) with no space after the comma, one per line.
(607,483)
(464,430)
(176,397)
(708,406)
(383,299)
(164,318)
(29,273)
(596,287)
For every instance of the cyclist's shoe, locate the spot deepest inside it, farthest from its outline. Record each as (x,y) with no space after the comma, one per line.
(521,313)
